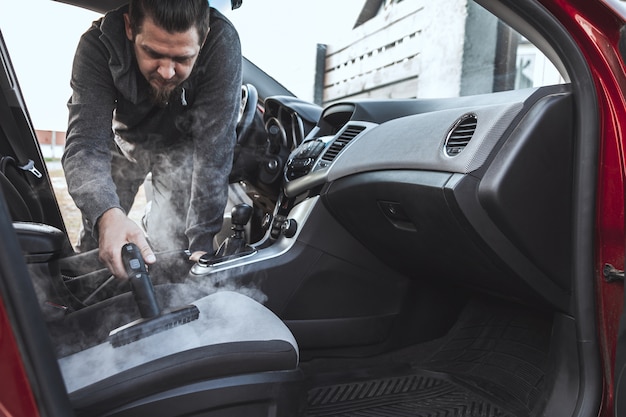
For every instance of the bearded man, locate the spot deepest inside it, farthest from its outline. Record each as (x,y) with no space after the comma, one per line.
(156,87)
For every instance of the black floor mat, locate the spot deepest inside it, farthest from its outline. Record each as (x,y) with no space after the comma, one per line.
(420,394)
(492,363)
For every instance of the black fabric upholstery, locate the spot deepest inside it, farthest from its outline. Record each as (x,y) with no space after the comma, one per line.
(21,198)
(201,364)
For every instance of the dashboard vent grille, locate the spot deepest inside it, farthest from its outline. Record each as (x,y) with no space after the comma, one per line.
(461,134)
(338,144)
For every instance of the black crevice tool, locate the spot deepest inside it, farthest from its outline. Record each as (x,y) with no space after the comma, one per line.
(152,320)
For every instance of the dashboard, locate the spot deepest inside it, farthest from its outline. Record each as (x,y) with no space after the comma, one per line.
(472,190)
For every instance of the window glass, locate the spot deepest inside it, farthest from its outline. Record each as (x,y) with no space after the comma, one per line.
(388,49)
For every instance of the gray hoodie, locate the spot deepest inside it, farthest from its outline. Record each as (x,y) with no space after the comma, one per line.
(110,101)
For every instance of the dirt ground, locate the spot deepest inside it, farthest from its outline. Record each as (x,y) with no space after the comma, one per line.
(69,211)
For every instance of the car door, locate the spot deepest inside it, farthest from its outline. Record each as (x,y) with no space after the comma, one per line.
(610,301)
(31,382)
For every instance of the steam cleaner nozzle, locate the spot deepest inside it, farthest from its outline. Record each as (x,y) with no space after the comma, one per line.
(152,320)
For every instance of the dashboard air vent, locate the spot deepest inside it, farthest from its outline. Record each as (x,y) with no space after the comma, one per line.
(460,134)
(338,144)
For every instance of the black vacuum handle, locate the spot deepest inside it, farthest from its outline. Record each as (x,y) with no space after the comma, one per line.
(140,281)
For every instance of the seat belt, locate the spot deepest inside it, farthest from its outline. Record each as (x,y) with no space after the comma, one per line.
(7,121)
(13,136)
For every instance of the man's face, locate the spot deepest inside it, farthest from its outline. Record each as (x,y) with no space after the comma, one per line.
(165,59)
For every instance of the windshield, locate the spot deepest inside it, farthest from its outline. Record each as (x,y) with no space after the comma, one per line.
(322,51)
(328,51)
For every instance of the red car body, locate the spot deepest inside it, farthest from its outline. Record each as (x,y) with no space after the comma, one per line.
(597,29)
(16,398)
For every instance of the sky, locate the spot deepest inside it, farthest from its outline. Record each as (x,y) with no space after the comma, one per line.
(42,45)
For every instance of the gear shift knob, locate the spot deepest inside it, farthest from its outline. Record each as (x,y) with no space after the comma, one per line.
(240,215)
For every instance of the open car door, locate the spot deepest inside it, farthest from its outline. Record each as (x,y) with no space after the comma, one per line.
(31,380)
(32,384)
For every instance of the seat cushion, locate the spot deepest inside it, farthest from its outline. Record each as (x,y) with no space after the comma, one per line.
(233,334)
(184,368)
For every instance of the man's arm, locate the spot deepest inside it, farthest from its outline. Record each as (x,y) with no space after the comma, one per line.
(217,102)
(87,158)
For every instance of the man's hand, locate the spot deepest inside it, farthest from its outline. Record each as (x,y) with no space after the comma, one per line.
(115,229)
(195,257)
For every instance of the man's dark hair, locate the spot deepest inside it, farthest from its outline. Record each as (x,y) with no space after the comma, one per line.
(172,15)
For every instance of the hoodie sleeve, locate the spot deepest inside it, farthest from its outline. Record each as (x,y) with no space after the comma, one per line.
(216,110)
(87,158)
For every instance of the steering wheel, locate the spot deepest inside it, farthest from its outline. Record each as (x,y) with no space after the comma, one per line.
(249,100)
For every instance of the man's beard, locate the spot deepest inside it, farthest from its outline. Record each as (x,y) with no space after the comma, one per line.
(161,96)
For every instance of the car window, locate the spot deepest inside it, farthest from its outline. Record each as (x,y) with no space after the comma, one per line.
(389,49)
(322,51)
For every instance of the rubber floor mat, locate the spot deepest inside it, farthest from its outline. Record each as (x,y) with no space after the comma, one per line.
(422,394)
(492,363)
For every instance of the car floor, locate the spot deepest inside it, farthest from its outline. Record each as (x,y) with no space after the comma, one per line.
(492,362)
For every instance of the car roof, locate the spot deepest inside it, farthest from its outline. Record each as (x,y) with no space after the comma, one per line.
(103,6)
(96,5)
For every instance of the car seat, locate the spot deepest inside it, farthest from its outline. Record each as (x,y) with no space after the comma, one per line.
(237,358)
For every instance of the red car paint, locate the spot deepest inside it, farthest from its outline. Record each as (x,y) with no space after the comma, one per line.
(16,398)
(596,31)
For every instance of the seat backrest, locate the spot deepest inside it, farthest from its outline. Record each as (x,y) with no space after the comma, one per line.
(20,196)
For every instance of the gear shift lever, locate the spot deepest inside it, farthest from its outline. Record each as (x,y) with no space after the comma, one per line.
(236,244)
(240,216)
